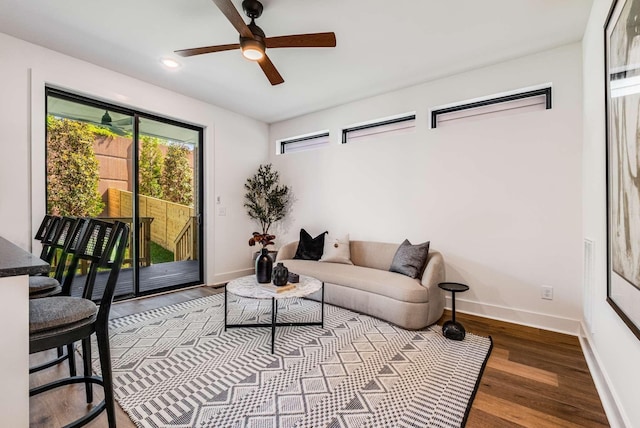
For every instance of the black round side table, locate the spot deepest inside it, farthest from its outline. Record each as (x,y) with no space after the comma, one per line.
(451,329)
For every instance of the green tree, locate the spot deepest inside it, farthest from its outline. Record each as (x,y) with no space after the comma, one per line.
(151,160)
(266,200)
(72,170)
(177,175)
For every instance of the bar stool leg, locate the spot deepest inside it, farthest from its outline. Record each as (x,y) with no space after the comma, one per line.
(105,365)
(86,356)
(72,360)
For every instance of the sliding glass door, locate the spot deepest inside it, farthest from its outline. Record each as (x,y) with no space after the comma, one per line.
(168,204)
(115,163)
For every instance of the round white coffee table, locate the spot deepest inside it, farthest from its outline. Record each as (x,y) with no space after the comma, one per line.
(248,286)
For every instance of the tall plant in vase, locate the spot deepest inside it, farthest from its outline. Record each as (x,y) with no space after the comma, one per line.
(266,201)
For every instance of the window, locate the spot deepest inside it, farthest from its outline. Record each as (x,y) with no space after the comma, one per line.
(530,100)
(304,142)
(394,124)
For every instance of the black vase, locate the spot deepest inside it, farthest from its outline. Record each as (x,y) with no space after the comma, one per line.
(280,275)
(264,265)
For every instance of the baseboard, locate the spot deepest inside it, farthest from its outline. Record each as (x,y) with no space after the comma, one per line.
(517,316)
(615,414)
(228,276)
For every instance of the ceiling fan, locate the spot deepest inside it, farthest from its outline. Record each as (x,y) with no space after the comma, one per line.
(253,42)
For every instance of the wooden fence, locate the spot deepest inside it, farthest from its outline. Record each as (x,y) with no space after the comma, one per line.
(114,156)
(170,220)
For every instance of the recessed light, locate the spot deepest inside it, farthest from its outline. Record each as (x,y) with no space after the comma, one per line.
(170,63)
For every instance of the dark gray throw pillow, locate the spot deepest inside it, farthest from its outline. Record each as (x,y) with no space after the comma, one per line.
(410,259)
(309,248)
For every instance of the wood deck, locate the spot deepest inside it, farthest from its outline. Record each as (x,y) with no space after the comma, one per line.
(152,278)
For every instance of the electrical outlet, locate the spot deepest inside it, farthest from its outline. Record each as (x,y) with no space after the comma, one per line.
(222,211)
(546,292)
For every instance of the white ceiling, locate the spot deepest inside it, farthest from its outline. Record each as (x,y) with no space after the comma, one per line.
(381,44)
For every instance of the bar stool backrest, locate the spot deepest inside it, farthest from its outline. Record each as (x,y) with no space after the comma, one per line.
(67,238)
(44,225)
(98,242)
(112,258)
(48,238)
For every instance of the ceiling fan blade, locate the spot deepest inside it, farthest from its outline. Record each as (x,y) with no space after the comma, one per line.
(313,40)
(228,10)
(270,70)
(207,49)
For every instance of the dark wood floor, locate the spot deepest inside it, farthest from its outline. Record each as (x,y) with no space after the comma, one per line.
(534,378)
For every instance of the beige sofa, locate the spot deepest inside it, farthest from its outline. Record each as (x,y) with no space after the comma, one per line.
(368,287)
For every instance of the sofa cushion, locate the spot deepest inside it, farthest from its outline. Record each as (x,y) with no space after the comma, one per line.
(336,250)
(309,248)
(382,282)
(410,259)
(377,255)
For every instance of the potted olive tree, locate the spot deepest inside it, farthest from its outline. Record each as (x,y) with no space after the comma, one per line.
(266,202)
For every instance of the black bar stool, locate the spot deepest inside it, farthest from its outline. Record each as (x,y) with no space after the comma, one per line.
(63,320)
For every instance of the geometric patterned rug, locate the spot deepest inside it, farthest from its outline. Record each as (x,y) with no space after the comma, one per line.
(176,367)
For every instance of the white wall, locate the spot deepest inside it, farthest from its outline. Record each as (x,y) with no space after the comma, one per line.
(234,146)
(501,198)
(615,348)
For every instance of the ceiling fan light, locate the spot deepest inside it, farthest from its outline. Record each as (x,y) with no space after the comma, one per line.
(252,49)
(252,54)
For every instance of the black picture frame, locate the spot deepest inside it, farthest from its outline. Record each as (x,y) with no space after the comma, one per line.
(622,107)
